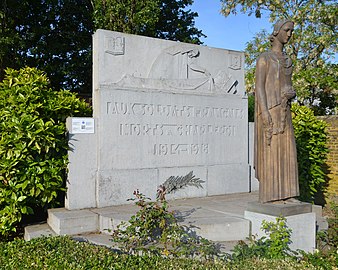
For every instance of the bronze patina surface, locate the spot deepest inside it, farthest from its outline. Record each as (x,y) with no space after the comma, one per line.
(275,146)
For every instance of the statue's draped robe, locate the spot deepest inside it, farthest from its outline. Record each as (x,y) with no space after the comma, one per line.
(276,159)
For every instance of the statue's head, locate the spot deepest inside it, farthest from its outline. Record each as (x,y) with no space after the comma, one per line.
(285,25)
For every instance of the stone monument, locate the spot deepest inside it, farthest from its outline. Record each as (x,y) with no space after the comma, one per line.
(160,108)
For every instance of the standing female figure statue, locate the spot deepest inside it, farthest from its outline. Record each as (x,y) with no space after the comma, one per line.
(275,146)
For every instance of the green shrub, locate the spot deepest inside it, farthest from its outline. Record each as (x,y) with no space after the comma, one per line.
(328,239)
(321,260)
(154,230)
(275,246)
(311,140)
(33,145)
(63,253)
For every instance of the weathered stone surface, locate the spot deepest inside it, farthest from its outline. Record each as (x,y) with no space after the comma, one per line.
(37,230)
(280,208)
(63,221)
(254,184)
(161,109)
(151,129)
(228,178)
(82,168)
(115,187)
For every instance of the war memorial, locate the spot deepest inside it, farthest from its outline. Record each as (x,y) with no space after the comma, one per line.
(163,108)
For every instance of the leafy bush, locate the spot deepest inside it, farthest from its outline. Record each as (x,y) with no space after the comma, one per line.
(321,260)
(328,239)
(62,252)
(326,255)
(311,139)
(275,246)
(154,230)
(33,145)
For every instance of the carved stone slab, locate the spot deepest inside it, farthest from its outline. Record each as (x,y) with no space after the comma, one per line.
(164,108)
(130,62)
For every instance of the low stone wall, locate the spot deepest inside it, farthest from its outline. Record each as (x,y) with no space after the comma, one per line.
(332,159)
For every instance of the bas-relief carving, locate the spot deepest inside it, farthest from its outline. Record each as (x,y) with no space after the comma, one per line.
(235,61)
(177,68)
(114,45)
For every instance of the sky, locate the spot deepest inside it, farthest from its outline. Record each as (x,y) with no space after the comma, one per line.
(232,32)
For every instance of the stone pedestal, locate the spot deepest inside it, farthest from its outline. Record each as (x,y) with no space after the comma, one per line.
(299,216)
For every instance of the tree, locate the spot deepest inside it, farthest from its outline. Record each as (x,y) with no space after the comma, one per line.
(314,43)
(52,35)
(175,23)
(166,19)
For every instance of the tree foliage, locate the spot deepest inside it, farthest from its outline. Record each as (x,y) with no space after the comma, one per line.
(51,35)
(166,19)
(33,145)
(313,45)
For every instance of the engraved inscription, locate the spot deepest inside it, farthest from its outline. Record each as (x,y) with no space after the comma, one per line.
(177,149)
(179,130)
(133,129)
(144,109)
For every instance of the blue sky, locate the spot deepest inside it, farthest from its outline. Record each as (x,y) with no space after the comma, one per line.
(232,32)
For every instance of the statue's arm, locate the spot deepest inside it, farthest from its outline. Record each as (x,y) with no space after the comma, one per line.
(261,71)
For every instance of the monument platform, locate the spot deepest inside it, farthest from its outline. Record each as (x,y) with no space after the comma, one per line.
(223,219)
(300,218)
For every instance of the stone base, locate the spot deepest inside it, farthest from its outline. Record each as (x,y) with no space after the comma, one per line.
(38,230)
(299,217)
(63,221)
(280,208)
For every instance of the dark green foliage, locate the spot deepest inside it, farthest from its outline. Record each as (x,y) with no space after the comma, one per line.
(326,255)
(311,140)
(64,253)
(251,108)
(166,19)
(328,240)
(176,22)
(51,35)
(275,246)
(33,145)
(320,260)
(154,230)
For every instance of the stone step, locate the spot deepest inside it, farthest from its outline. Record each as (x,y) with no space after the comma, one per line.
(212,225)
(63,221)
(221,228)
(38,230)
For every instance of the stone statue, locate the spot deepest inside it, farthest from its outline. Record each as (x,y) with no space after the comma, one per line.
(275,147)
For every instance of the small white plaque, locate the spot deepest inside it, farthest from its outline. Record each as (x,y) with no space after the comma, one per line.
(82,125)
